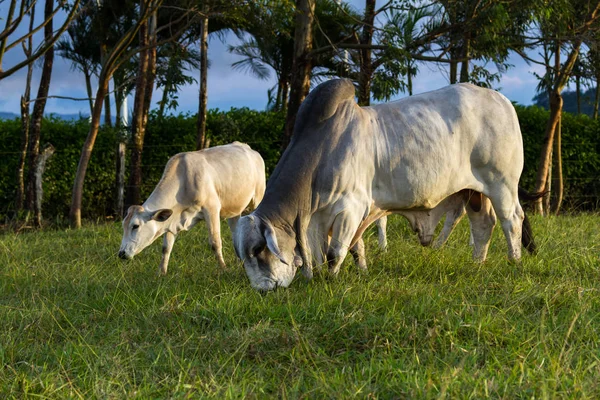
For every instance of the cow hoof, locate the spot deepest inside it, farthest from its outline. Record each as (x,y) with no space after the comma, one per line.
(307,272)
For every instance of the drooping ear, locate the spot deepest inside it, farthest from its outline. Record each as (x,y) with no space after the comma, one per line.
(162,215)
(271,239)
(298,261)
(248,239)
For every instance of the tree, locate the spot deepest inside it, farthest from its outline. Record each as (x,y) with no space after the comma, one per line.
(82,48)
(27,49)
(121,52)
(301,65)
(557,24)
(14,20)
(36,119)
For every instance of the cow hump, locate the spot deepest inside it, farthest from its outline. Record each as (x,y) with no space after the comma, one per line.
(322,102)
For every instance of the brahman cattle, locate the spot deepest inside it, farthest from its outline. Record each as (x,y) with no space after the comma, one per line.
(347,166)
(219,182)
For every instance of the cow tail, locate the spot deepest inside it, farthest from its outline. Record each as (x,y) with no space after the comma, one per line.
(527,236)
(525,196)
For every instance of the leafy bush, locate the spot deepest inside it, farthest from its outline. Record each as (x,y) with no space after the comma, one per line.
(165,137)
(169,135)
(580,154)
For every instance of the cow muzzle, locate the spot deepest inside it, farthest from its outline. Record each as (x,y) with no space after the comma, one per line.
(123,255)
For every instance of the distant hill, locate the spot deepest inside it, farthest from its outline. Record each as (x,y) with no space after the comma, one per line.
(66,117)
(570,101)
(8,115)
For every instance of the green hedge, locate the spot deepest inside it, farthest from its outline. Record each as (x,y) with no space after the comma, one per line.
(169,135)
(580,153)
(165,137)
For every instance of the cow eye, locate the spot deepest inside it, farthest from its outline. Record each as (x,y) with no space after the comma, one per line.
(133,228)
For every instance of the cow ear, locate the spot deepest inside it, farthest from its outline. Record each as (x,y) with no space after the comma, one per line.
(162,215)
(272,242)
(298,261)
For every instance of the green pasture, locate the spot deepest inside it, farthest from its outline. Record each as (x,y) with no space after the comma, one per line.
(77,322)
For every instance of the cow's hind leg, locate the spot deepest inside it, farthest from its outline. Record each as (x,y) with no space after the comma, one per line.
(382,232)
(482,224)
(213,222)
(343,230)
(509,212)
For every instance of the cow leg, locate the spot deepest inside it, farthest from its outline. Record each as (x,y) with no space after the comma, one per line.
(453,217)
(343,230)
(382,232)
(509,211)
(167,246)
(482,225)
(358,253)
(232,222)
(213,222)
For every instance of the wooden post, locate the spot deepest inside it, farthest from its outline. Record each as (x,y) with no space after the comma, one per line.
(39,173)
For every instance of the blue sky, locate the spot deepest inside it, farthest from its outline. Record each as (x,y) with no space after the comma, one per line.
(226,87)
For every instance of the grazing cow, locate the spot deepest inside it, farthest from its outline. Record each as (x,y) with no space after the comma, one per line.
(219,182)
(455,207)
(347,166)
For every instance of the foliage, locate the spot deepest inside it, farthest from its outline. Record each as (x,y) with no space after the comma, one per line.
(570,101)
(165,137)
(169,135)
(581,154)
(77,322)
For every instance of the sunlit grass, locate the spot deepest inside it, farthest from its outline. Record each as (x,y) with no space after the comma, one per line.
(78,322)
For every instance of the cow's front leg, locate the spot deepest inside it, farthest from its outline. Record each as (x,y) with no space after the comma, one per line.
(167,246)
(344,228)
(358,252)
(213,222)
(453,217)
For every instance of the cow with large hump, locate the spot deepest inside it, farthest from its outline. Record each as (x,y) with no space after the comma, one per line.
(210,184)
(347,166)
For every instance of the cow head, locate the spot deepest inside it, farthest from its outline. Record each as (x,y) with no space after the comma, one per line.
(423,224)
(268,253)
(140,229)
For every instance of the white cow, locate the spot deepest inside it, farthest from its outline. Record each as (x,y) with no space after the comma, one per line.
(455,207)
(347,166)
(219,182)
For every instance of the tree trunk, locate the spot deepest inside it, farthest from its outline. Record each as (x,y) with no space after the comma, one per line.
(203,98)
(453,68)
(120,180)
(122,123)
(25,120)
(578,92)
(558,180)
(409,83)
(107,113)
(88,87)
(86,153)
(135,175)
(285,95)
(39,191)
(39,106)
(366,63)
(597,98)
(278,97)
(464,69)
(301,67)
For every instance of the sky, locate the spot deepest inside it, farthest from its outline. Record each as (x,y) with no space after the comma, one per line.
(226,87)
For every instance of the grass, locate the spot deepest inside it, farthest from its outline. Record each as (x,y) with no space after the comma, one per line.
(76,322)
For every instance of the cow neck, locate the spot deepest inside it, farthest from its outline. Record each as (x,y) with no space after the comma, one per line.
(165,193)
(288,196)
